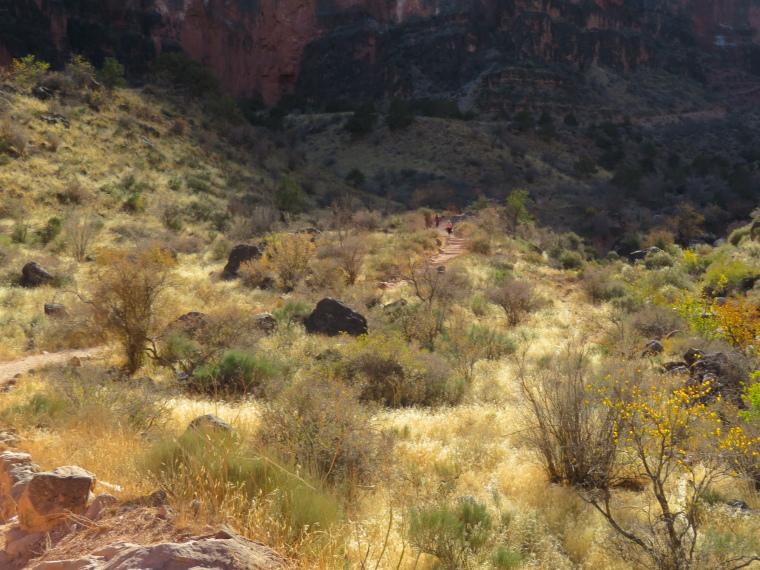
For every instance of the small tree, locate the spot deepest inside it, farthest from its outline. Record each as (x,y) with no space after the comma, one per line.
(112,74)
(665,436)
(517,298)
(130,290)
(289,196)
(516,207)
(80,228)
(28,72)
(399,115)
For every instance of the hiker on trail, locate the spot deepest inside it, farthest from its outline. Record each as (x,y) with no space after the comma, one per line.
(449,227)
(437,220)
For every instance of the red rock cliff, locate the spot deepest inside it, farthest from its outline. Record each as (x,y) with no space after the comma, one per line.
(329,48)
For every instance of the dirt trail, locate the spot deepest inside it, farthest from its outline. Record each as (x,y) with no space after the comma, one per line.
(22,365)
(455,246)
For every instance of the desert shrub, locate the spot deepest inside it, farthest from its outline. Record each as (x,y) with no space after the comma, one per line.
(90,395)
(599,286)
(737,235)
(655,321)
(255,274)
(235,373)
(239,483)
(178,69)
(291,313)
(453,534)
(658,260)
(464,347)
(480,244)
(726,276)
(318,423)
(570,260)
(50,231)
(79,230)
(572,434)
(289,196)
(288,257)
(388,370)
(28,72)
(112,73)
(134,204)
(517,298)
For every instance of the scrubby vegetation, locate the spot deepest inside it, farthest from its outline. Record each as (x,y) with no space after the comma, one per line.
(531,400)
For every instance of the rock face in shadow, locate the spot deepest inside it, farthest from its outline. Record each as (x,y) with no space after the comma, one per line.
(367,48)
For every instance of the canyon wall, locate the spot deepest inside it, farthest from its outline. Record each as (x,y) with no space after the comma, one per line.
(330,49)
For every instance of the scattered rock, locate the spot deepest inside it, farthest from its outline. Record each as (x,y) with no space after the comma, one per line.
(23,543)
(56,119)
(55,309)
(395,306)
(209,422)
(221,551)
(8,437)
(642,253)
(739,505)
(438,242)
(99,503)
(124,107)
(265,322)
(239,255)
(42,93)
(33,274)
(668,366)
(653,347)
(53,495)
(441,269)
(150,130)
(332,317)
(75,361)
(155,499)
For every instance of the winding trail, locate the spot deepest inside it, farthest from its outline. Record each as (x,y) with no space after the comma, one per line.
(22,365)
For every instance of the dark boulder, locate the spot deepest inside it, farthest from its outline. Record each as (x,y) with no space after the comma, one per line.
(653,347)
(332,317)
(33,274)
(692,355)
(239,255)
(724,373)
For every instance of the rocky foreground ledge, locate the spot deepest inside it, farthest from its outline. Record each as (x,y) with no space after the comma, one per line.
(52,521)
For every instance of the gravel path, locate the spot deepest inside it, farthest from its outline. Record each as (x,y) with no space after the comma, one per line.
(22,365)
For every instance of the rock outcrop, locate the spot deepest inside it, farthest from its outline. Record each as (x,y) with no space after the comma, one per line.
(53,495)
(365,48)
(33,274)
(239,255)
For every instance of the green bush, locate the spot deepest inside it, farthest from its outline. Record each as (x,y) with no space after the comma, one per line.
(51,230)
(570,260)
(112,74)
(737,235)
(230,479)
(451,534)
(291,313)
(134,204)
(658,260)
(395,373)
(237,372)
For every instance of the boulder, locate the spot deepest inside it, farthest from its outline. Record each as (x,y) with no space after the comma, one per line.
(239,255)
(332,317)
(221,551)
(55,309)
(51,496)
(209,422)
(16,470)
(265,322)
(189,323)
(33,274)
